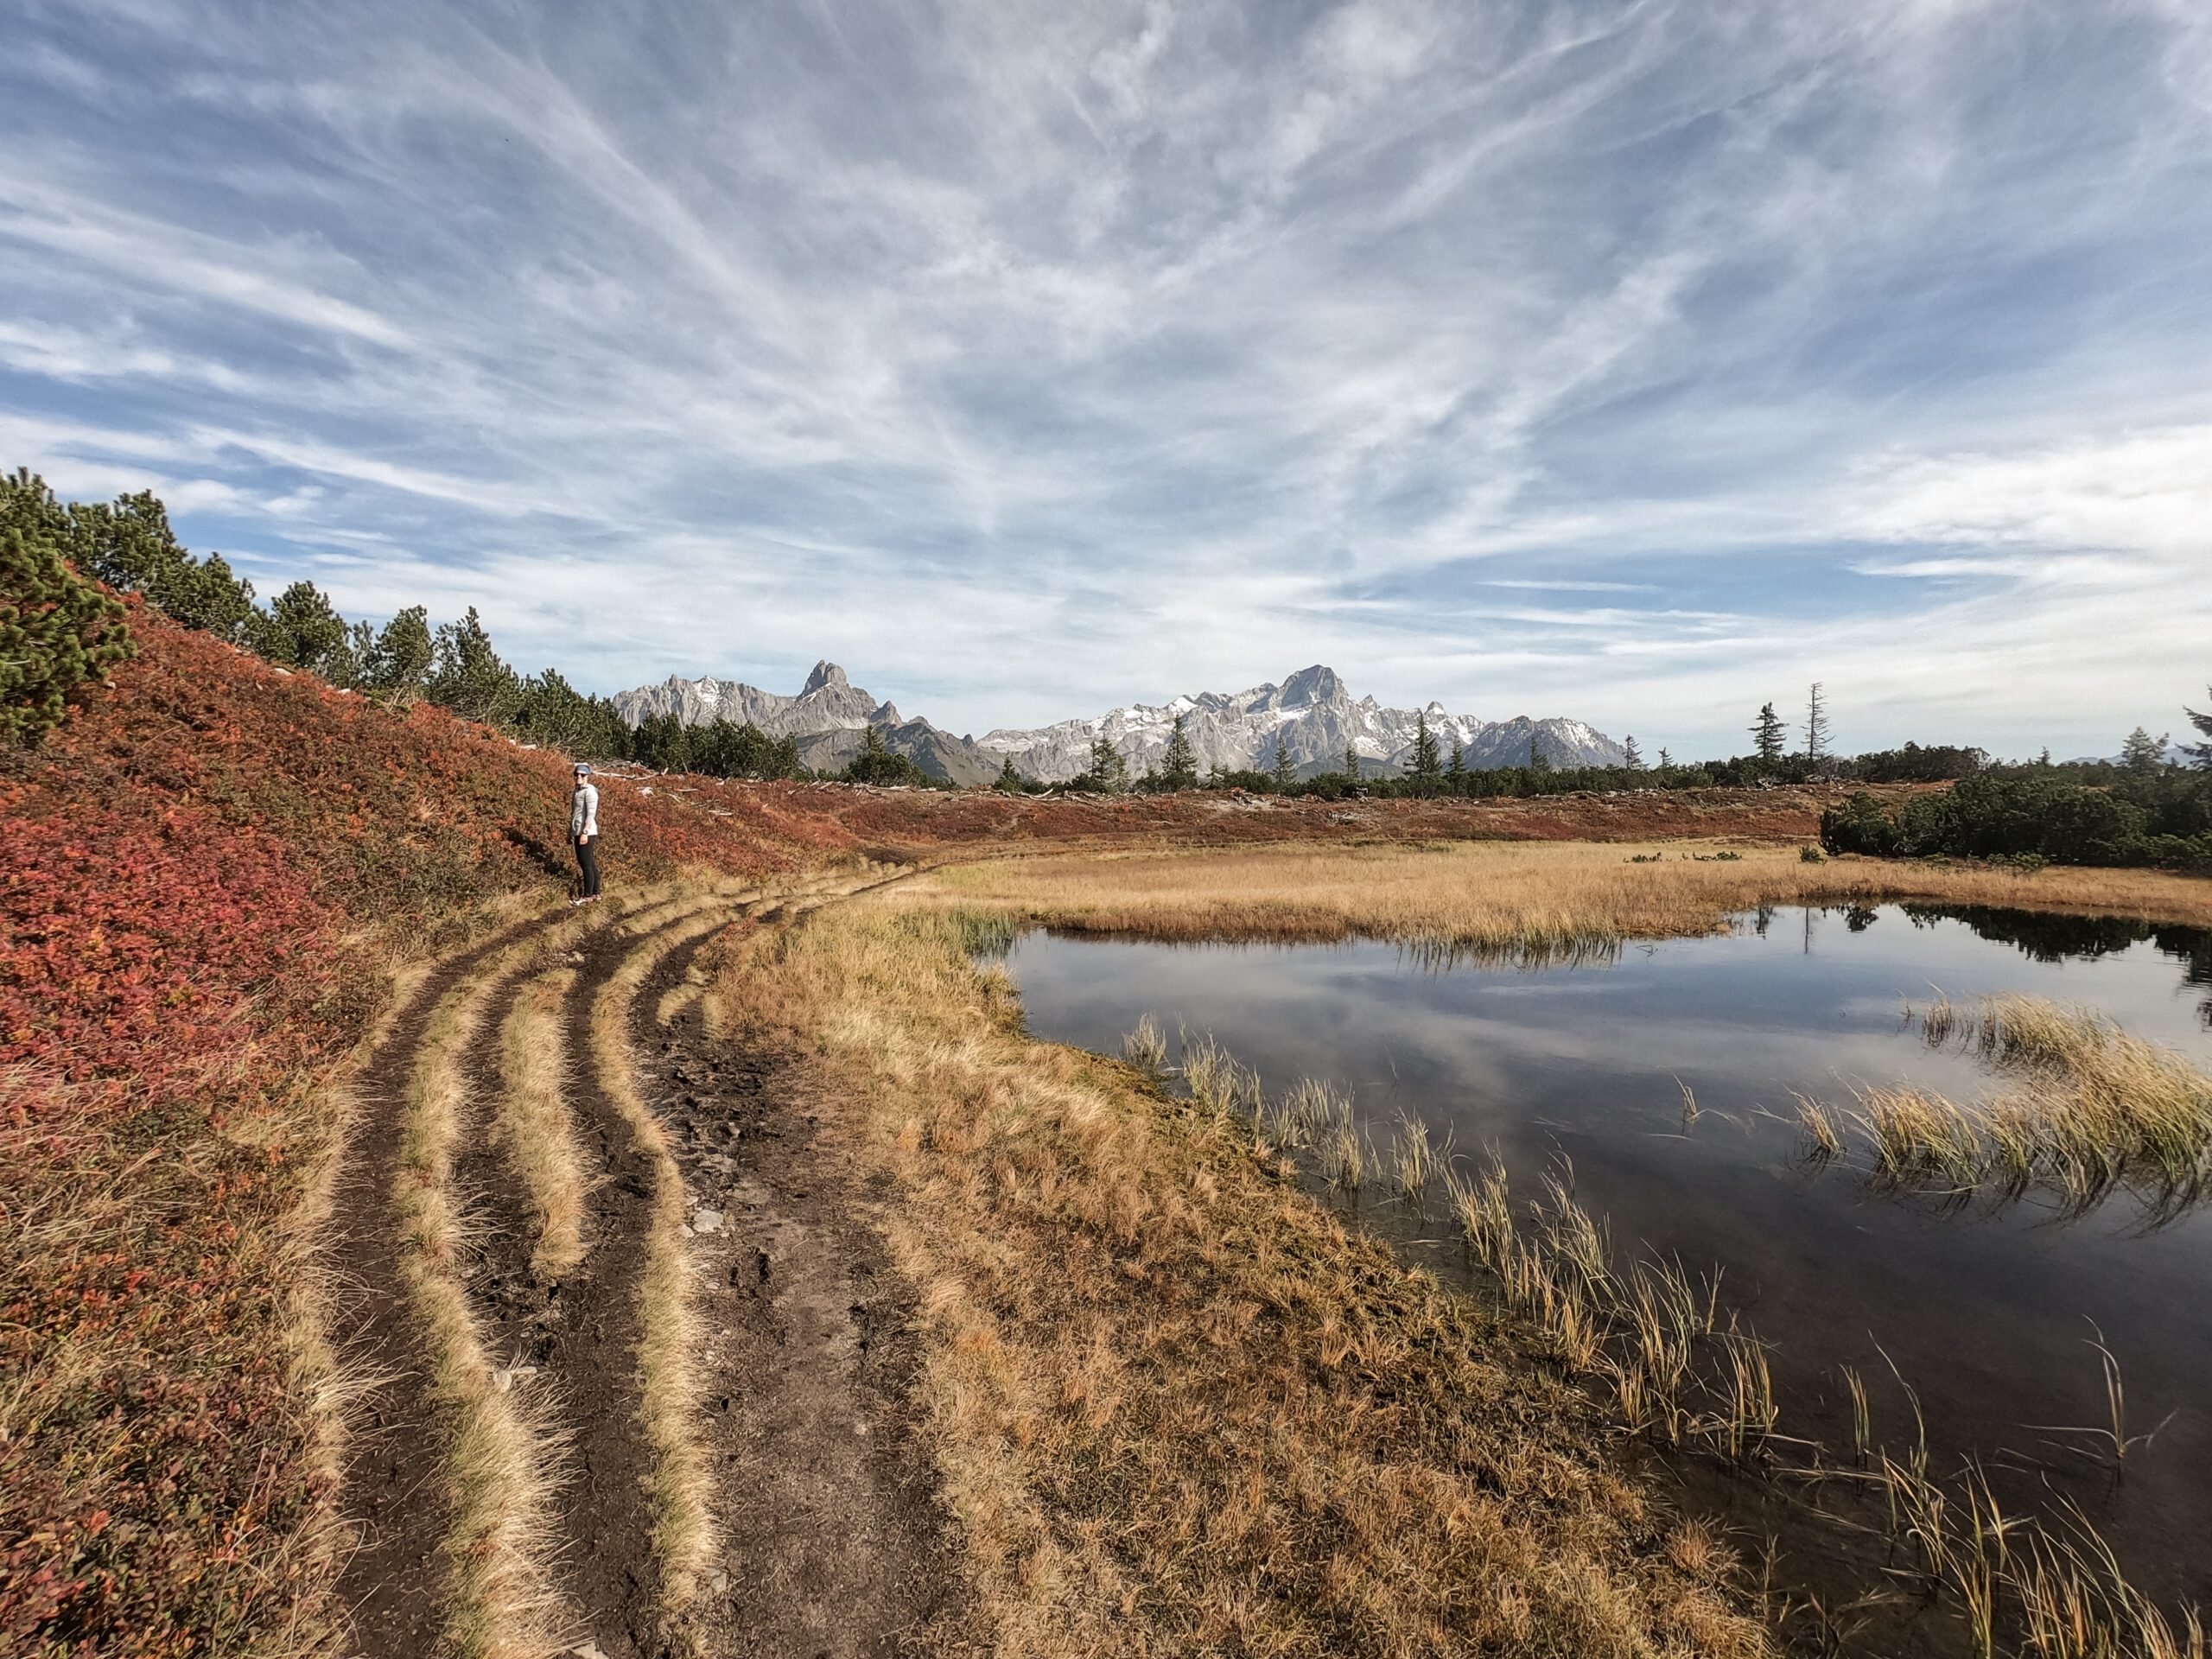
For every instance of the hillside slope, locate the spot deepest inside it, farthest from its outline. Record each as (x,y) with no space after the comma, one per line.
(213,870)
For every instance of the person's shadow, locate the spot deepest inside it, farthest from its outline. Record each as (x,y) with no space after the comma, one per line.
(548,859)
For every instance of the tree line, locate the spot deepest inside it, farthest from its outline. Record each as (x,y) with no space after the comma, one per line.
(61,628)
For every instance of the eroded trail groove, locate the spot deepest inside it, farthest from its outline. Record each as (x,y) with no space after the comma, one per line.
(635,1374)
(394,1483)
(831,1533)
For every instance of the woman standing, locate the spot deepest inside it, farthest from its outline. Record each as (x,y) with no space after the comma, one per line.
(583,830)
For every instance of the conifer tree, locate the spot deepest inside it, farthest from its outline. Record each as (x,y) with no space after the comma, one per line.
(1816,724)
(1285,774)
(1458,769)
(1010,781)
(57,632)
(1109,773)
(301,629)
(400,663)
(2140,752)
(1665,759)
(1427,763)
(468,676)
(1632,757)
(1767,733)
(1179,769)
(1352,762)
(1538,761)
(2201,754)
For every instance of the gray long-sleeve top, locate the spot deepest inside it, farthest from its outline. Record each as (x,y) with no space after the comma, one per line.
(583,813)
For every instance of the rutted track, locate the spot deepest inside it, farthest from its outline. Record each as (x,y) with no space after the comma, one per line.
(528,1472)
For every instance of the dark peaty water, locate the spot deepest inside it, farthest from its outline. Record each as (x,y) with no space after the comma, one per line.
(1984,1311)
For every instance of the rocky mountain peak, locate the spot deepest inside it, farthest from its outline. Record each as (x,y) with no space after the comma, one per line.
(826,674)
(1310,686)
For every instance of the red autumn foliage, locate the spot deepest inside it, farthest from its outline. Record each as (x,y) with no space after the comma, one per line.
(191,863)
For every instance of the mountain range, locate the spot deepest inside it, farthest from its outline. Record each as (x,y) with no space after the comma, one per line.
(1311,713)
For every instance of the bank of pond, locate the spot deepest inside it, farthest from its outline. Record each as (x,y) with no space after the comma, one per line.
(1880,1227)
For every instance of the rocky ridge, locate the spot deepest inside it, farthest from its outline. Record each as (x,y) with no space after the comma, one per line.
(1311,713)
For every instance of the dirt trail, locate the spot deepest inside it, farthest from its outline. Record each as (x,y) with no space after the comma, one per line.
(834,1545)
(393,1474)
(828,1530)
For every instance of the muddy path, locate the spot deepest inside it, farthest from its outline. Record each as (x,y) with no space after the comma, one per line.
(826,1536)
(838,1546)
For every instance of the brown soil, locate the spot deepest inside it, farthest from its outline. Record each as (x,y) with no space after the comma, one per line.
(591,1354)
(833,1533)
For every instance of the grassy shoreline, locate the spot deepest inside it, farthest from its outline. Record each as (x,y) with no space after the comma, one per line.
(1178,1406)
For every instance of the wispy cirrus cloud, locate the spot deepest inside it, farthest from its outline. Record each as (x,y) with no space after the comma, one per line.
(1608,358)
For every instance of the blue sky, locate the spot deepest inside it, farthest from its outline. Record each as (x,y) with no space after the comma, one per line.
(1634,361)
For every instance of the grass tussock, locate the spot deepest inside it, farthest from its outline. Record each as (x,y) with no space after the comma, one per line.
(534,1125)
(1175,1404)
(500,1600)
(2092,1109)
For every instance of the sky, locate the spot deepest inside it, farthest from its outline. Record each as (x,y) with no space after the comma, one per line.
(1633,361)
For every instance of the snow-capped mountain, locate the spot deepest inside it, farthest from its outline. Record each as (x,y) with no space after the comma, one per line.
(1316,719)
(829,703)
(1311,713)
(827,717)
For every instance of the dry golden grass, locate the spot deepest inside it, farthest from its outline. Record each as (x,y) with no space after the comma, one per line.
(1177,1407)
(1547,897)
(534,1125)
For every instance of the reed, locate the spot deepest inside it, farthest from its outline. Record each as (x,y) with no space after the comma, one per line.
(2096,1106)
(1823,1136)
(1920,1138)
(1745,1423)
(1218,1081)
(1862,1418)
(1482,1206)
(1416,1157)
(2111,1437)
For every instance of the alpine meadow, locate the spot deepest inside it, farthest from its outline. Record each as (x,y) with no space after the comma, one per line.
(1502,944)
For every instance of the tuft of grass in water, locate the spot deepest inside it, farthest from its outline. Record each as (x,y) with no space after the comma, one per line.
(2111,1437)
(1218,1081)
(1862,1417)
(1690,1102)
(2094,1110)
(1823,1137)
(1921,1139)
(1417,1158)
(1146,1046)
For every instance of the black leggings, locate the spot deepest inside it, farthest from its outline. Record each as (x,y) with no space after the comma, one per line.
(588,862)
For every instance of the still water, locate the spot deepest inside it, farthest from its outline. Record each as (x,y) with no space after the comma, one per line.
(1986,1311)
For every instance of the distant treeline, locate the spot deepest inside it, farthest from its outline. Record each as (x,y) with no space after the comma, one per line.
(58,631)
(2034,816)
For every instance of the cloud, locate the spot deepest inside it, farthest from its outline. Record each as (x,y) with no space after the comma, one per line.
(1032,359)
